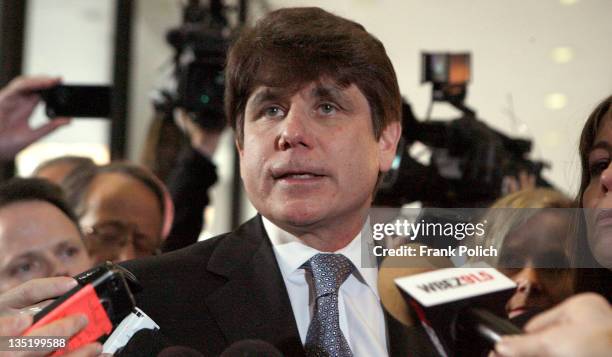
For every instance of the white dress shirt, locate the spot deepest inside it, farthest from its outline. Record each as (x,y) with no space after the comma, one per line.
(361,316)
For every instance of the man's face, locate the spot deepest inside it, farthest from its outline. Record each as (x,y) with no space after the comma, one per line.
(310,159)
(122,218)
(38,240)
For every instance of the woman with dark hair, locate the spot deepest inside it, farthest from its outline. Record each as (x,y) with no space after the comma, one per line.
(592,245)
(581,325)
(123,208)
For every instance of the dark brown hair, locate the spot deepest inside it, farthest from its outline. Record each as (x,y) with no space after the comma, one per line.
(36,189)
(587,139)
(289,48)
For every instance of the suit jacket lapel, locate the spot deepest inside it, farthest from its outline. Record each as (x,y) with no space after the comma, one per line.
(254,303)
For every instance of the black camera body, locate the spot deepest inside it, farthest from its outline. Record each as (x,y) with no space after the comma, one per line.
(81,101)
(103,294)
(200,45)
(478,156)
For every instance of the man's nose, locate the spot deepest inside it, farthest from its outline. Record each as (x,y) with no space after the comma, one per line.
(295,131)
(58,267)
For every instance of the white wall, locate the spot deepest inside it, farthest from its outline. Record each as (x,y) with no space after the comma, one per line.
(72,39)
(151,57)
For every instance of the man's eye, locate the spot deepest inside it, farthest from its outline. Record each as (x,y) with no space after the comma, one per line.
(274,112)
(25,269)
(598,167)
(69,252)
(327,109)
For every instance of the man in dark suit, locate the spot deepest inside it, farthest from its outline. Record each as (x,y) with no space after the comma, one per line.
(315,105)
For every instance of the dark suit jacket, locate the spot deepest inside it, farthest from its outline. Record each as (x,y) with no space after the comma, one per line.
(188,184)
(229,288)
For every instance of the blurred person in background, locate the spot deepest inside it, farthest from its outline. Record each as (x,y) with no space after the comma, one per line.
(39,233)
(56,169)
(179,150)
(123,208)
(529,228)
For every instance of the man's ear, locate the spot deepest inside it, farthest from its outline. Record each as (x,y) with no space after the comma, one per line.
(238,147)
(387,145)
(239,135)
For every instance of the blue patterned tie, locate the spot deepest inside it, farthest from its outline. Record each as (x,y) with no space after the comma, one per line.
(324,338)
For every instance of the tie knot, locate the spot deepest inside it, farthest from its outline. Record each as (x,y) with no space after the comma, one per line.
(329,271)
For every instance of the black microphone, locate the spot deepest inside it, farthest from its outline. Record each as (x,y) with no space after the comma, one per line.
(179,351)
(145,343)
(459,308)
(250,348)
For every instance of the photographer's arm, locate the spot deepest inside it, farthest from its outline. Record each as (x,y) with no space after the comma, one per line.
(189,183)
(204,141)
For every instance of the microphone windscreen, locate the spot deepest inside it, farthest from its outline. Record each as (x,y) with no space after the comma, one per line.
(394,267)
(251,348)
(145,343)
(179,351)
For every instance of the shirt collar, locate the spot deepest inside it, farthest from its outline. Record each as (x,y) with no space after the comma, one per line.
(291,253)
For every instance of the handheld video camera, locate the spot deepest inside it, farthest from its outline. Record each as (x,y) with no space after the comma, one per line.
(200,45)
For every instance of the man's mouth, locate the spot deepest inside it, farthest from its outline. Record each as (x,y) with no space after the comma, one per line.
(296,175)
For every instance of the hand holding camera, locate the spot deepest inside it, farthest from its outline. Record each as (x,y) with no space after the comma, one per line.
(17,102)
(15,317)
